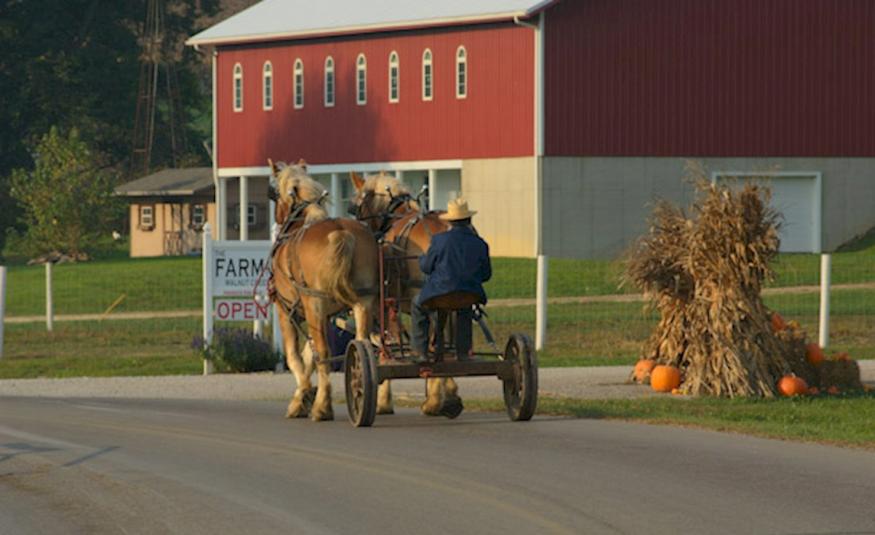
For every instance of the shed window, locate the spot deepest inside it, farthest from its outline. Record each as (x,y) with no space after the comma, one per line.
(251,212)
(427,76)
(267,86)
(147,217)
(461,72)
(238,87)
(198,215)
(329,82)
(299,84)
(361,80)
(394,89)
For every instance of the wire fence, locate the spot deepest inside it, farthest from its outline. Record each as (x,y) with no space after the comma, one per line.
(146,312)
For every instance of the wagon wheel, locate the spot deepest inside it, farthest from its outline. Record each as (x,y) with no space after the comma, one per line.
(361,384)
(521,391)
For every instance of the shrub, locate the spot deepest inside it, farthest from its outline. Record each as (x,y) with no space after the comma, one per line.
(237,351)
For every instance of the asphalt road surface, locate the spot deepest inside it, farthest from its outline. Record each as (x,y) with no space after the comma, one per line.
(163,466)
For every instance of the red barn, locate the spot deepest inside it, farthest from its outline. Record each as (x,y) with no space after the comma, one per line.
(558,119)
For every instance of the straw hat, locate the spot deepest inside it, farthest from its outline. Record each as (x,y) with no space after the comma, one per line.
(457,209)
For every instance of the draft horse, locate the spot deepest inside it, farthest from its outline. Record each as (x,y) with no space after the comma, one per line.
(390,210)
(313,278)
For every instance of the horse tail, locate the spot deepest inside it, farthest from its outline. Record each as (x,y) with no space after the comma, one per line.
(338,267)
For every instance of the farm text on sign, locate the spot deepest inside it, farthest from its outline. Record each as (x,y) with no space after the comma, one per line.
(235,268)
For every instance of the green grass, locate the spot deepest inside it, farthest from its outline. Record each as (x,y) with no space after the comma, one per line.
(175,283)
(101,349)
(171,283)
(579,334)
(841,420)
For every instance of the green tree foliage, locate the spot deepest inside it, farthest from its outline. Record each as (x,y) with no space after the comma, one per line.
(76,64)
(67,198)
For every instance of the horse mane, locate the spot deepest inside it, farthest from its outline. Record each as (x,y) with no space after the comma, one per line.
(296,186)
(378,184)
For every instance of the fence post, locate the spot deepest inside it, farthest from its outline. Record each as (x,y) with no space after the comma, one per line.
(50,307)
(541,304)
(2,305)
(825,269)
(207,256)
(276,333)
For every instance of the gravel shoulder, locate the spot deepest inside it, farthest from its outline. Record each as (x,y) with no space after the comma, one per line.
(599,382)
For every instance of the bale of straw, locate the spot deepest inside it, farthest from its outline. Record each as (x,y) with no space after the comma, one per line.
(704,273)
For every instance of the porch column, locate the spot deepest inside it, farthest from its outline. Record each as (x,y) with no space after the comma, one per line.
(222,209)
(336,200)
(244,208)
(432,189)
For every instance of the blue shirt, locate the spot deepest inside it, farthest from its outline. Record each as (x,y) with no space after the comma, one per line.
(456,261)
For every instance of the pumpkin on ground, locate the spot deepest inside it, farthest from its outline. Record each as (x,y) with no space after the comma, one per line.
(814,354)
(790,385)
(643,368)
(778,323)
(665,378)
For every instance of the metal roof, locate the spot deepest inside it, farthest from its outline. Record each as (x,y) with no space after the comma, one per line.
(169,182)
(289,19)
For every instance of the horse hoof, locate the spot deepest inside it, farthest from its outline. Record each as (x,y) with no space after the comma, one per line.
(322,416)
(430,409)
(386,410)
(298,411)
(452,407)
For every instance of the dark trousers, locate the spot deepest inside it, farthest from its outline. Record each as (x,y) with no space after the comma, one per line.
(420,317)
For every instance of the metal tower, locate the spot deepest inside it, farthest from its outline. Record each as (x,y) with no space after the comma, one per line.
(157,82)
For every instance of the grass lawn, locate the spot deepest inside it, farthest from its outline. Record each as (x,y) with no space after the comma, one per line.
(101,349)
(174,283)
(841,420)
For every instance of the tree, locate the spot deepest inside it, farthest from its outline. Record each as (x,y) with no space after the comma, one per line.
(67,198)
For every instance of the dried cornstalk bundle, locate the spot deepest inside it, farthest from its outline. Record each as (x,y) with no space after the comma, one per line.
(704,274)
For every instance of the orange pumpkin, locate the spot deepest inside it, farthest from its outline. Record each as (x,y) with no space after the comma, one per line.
(842,356)
(665,378)
(833,390)
(790,385)
(814,353)
(778,323)
(643,368)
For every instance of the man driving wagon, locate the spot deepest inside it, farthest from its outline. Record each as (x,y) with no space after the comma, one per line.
(456,266)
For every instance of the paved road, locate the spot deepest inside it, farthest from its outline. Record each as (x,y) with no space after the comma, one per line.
(195,466)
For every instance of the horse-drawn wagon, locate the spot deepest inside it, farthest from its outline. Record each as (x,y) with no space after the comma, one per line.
(405,231)
(322,267)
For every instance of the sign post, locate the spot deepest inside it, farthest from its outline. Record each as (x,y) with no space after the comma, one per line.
(208,293)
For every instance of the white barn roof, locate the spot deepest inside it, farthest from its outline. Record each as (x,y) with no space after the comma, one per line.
(289,19)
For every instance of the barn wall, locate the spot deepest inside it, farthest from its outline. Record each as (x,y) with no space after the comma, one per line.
(595,207)
(710,78)
(495,120)
(502,191)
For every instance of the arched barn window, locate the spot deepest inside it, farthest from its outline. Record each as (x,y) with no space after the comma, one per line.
(267,86)
(361,80)
(394,89)
(461,72)
(238,87)
(329,82)
(299,84)
(427,76)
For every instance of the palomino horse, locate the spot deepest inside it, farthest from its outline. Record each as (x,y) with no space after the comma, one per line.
(313,279)
(386,204)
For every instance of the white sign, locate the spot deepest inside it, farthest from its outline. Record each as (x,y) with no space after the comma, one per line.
(236,267)
(239,310)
